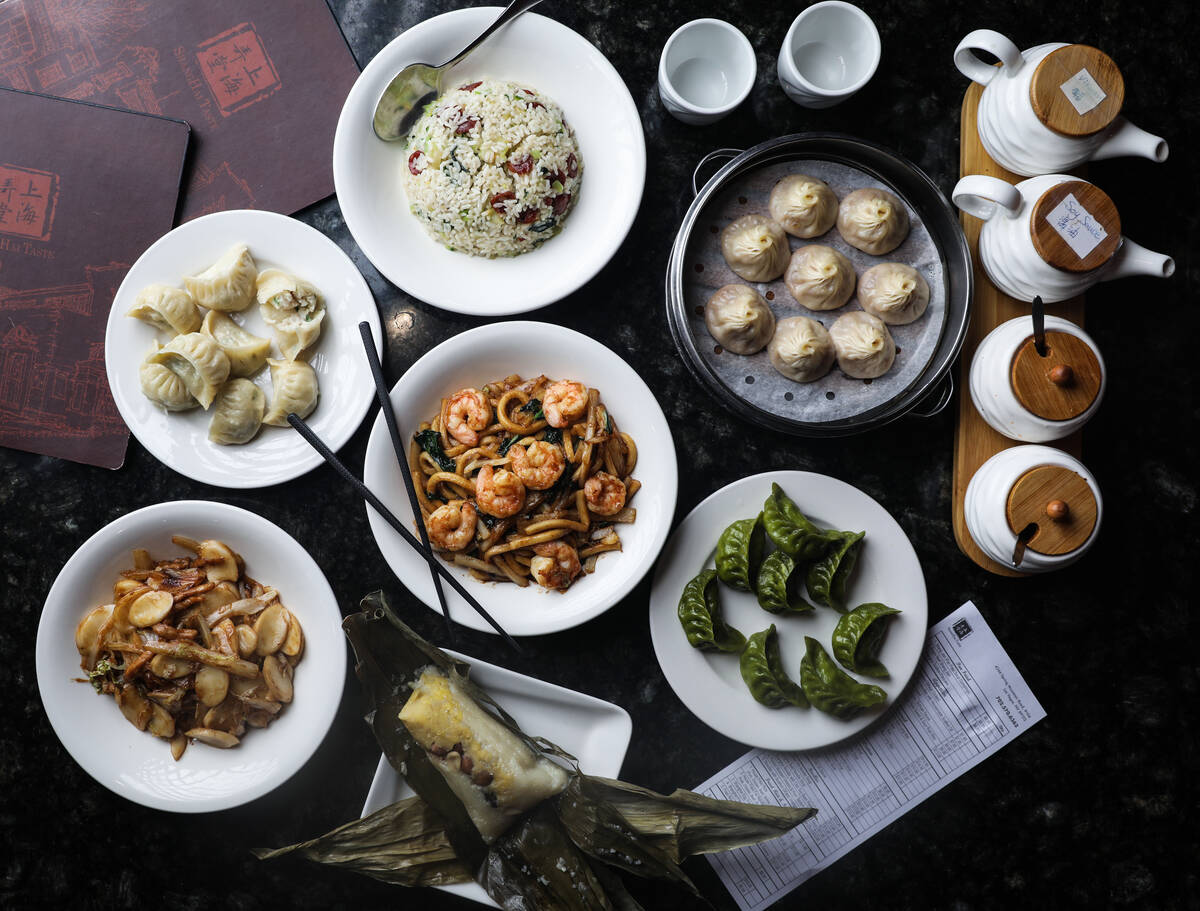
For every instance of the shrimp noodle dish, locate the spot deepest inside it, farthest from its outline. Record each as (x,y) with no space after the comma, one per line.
(524,480)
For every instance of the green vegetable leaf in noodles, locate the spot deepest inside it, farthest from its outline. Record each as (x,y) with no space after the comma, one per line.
(739,553)
(831,689)
(858,638)
(778,586)
(431,442)
(828,577)
(699,613)
(791,530)
(762,669)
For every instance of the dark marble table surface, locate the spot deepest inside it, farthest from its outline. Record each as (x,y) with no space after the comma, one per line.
(1095,806)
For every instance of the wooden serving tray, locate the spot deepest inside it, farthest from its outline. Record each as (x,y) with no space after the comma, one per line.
(974,441)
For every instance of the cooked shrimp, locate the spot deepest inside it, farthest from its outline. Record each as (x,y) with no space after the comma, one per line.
(605,494)
(468,412)
(555,565)
(564,402)
(499,493)
(452,525)
(539,465)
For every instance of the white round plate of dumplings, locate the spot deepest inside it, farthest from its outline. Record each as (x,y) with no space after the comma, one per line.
(710,683)
(534,51)
(275,454)
(137,765)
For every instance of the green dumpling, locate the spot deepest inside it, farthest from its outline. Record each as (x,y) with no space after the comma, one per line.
(762,669)
(792,531)
(831,689)
(827,578)
(739,553)
(778,585)
(858,638)
(700,615)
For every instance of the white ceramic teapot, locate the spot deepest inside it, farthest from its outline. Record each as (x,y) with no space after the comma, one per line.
(1033,508)
(1051,107)
(1052,236)
(1037,394)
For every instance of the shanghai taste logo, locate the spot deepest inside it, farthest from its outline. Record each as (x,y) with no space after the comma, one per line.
(27,199)
(237,69)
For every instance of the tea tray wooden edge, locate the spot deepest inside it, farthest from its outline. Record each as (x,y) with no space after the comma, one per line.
(974,441)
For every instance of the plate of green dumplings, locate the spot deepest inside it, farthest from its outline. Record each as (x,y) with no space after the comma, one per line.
(788,610)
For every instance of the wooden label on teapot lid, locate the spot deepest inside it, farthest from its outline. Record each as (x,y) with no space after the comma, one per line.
(1059,502)
(1077,90)
(1062,384)
(1075,226)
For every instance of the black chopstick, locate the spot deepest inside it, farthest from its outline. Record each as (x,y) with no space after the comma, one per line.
(389,418)
(365,492)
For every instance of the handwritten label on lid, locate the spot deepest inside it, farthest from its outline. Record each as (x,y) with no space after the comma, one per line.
(1076,226)
(1083,91)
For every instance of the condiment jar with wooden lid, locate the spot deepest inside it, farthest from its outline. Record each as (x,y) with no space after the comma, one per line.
(1033,508)
(1037,392)
(1052,236)
(1052,107)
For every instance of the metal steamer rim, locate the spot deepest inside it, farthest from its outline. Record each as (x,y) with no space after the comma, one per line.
(936,217)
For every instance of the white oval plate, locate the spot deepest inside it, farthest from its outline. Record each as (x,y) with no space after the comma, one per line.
(180,441)
(533,51)
(595,732)
(137,765)
(528,348)
(710,683)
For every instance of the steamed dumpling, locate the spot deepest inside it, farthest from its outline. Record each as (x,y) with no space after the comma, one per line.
(293,308)
(864,346)
(894,292)
(801,349)
(163,386)
(237,413)
(739,319)
(166,308)
(755,248)
(819,277)
(873,220)
(228,284)
(246,352)
(803,205)
(198,361)
(293,388)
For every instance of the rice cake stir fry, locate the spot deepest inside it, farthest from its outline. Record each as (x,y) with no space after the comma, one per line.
(192,648)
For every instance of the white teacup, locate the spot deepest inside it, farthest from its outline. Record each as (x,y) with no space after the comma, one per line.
(706,70)
(830,52)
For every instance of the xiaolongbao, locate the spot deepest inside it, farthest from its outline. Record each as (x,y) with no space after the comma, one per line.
(739,319)
(864,346)
(755,248)
(801,349)
(873,220)
(894,292)
(820,278)
(803,205)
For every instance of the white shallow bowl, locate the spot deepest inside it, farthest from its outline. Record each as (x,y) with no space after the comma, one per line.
(137,765)
(180,440)
(710,683)
(533,51)
(595,732)
(528,348)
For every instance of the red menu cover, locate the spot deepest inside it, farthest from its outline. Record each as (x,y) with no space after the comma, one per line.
(261,84)
(84,190)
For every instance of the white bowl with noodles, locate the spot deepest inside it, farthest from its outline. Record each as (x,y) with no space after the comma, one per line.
(533,51)
(487,353)
(137,765)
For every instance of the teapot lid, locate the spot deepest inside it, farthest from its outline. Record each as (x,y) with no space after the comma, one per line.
(1058,503)
(1075,226)
(1059,385)
(1077,90)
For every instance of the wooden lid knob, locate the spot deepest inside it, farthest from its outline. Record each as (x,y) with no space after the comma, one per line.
(1059,502)
(1077,90)
(1063,384)
(1075,226)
